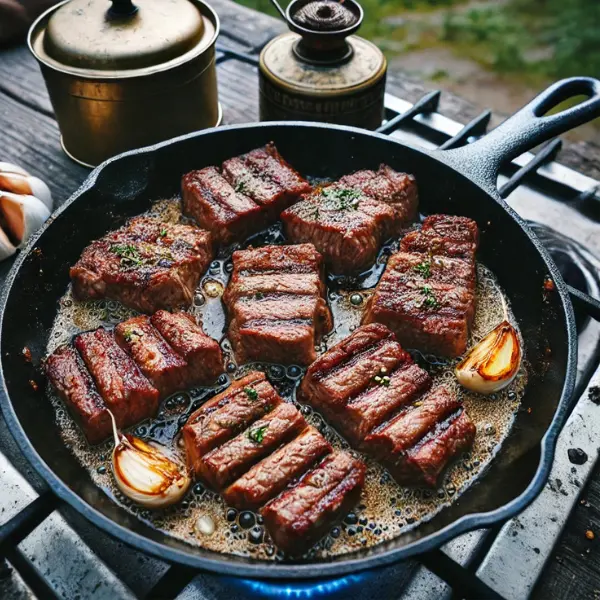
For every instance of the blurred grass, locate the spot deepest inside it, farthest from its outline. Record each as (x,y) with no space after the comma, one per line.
(534,40)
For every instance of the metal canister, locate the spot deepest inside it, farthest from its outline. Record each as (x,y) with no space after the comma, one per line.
(121,76)
(320,71)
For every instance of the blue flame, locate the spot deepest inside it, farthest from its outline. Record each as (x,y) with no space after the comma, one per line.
(329,588)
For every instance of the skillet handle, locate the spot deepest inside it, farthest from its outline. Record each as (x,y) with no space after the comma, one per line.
(586,303)
(481,160)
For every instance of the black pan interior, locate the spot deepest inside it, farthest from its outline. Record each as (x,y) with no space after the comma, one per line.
(125,187)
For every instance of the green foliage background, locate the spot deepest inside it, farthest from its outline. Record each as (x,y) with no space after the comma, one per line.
(531,39)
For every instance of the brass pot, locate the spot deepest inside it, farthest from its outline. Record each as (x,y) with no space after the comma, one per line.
(122,77)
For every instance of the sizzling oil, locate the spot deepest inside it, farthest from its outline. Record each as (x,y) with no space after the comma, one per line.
(386,509)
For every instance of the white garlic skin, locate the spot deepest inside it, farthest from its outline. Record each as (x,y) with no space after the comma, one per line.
(147,475)
(23,215)
(493,363)
(6,246)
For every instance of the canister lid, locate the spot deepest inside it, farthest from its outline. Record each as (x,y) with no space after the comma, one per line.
(280,64)
(119,35)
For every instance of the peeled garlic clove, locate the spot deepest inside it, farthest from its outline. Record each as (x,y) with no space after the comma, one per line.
(146,475)
(23,215)
(10,168)
(493,363)
(6,247)
(26,185)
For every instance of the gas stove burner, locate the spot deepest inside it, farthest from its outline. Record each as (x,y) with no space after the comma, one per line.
(332,589)
(578,266)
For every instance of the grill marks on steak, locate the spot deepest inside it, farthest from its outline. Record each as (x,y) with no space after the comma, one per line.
(390,420)
(245,196)
(251,446)
(276,304)
(426,295)
(273,474)
(146,264)
(74,384)
(301,515)
(129,370)
(348,221)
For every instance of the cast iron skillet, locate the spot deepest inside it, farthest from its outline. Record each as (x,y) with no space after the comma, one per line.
(461,182)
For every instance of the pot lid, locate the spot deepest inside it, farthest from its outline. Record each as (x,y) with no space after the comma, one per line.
(93,34)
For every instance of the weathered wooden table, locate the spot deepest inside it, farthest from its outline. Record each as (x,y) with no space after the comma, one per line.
(29,137)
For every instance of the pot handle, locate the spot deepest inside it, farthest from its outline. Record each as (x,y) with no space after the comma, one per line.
(530,126)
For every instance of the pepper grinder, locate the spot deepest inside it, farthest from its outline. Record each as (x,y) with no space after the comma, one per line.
(319,70)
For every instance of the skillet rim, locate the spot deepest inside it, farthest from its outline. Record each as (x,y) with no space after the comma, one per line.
(227,564)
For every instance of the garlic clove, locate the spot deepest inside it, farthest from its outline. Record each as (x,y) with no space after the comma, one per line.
(493,363)
(26,185)
(23,215)
(10,168)
(147,475)
(6,247)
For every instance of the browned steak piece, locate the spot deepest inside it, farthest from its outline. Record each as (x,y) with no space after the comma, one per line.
(345,225)
(226,463)
(417,444)
(300,516)
(125,391)
(447,235)
(341,383)
(277,471)
(276,305)
(155,358)
(224,416)
(425,462)
(406,429)
(146,264)
(201,353)
(267,178)
(399,190)
(428,299)
(75,386)
(214,204)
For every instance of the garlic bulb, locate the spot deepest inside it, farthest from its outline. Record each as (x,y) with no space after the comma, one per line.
(25,203)
(6,247)
(23,215)
(493,363)
(146,475)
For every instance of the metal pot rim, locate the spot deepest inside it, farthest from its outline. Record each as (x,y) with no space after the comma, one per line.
(36,29)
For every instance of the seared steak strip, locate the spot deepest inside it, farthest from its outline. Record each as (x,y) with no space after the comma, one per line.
(227,414)
(129,395)
(426,295)
(372,392)
(155,358)
(215,205)
(226,463)
(109,369)
(267,178)
(300,516)
(254,448)
(247,196)
(146,265)
(75,386)
(276,305)
(349,220)
(277,471)
(201,353)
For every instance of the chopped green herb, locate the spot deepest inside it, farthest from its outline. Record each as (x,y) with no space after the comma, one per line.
(259,296)
(423,269)
(430,301)
(346,198)
(258,435)
(241,187)
(251,393)
(131,334)
(130,255)
(163,232)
